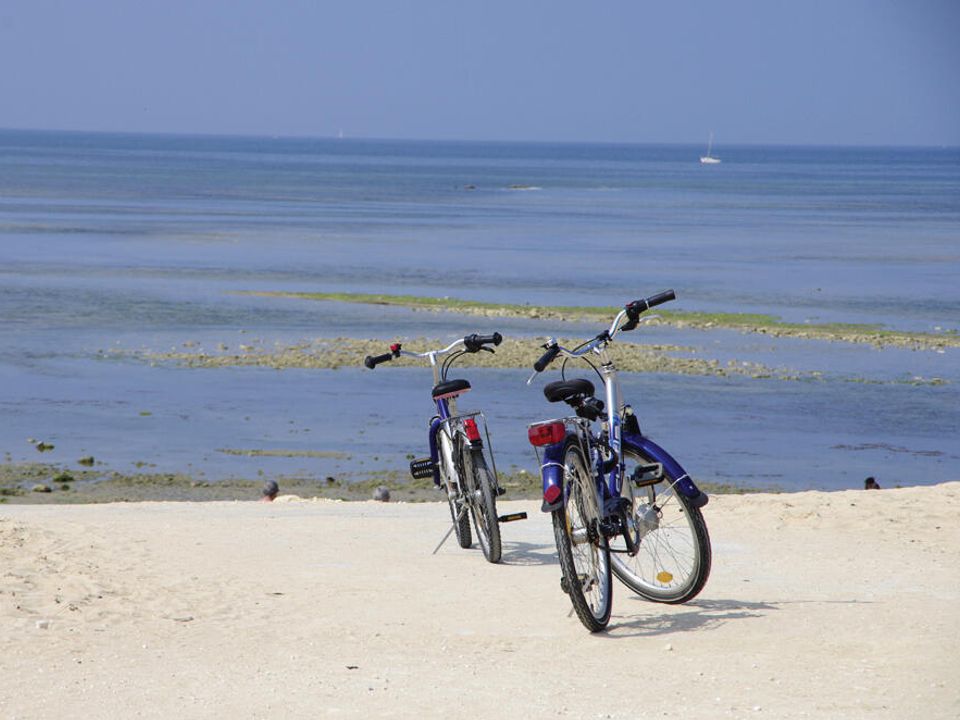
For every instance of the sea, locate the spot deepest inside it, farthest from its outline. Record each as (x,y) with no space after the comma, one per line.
(111,244)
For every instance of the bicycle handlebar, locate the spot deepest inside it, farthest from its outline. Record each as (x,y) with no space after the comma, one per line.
(371,361)
(547,358)
(631,311)
(471,343)
(474,342)
(639,306)
(634,309)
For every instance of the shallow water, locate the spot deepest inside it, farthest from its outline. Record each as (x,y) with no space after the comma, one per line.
(758,433)
(132,242)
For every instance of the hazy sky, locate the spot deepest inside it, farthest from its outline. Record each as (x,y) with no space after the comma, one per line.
(810,71)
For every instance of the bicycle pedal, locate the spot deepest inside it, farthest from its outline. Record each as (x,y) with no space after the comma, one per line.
(644,475)
(512,517)
(422,468)
(501,491)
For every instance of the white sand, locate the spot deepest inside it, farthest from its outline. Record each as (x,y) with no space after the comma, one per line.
(820,605)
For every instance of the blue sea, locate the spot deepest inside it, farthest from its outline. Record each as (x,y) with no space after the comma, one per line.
(129,242)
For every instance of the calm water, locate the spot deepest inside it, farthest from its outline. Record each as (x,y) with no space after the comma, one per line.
(137,241)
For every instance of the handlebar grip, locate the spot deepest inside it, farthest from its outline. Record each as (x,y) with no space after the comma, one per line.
(638,306)
(660,298)
(474,342)
(371,361)
(496,339)
(546,358)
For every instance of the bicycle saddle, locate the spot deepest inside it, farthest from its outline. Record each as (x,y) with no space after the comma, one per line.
(567,390)
(450,388)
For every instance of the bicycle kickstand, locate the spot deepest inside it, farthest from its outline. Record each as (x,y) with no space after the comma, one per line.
(452,528)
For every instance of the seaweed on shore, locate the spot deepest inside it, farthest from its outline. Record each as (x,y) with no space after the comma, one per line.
(334,353)
(744,322)
(512,353)
(17,481)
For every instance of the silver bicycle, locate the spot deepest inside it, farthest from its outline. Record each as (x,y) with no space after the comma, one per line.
(459,447)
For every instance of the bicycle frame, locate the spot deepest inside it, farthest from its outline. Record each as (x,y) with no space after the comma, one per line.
(609,483)
(458,460)
(447,417)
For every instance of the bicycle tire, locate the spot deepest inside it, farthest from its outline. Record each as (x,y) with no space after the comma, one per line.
(673,562)
(584,552)
(459,515)
(480,486)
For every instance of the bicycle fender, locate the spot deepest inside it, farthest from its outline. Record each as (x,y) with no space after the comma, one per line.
(551,472)
(682,480)
(434,452)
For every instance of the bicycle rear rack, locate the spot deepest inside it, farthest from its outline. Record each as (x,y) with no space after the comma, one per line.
(450,424)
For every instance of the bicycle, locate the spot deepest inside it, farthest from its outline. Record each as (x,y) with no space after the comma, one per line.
(618,500)
(457,461)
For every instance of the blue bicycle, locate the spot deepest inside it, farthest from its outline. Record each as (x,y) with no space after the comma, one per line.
(457,461)
(618,500)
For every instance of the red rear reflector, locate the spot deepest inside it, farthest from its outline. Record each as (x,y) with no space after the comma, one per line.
(470,426)
(547,433)
(551,494)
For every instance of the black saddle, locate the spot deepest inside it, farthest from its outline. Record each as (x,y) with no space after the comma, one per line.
(567,390)
(450,388)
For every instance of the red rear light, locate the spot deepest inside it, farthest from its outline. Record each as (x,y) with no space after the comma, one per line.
(546,433)
(551,494)
(470,426)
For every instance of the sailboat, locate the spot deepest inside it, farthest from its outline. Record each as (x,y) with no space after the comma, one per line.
(709,159)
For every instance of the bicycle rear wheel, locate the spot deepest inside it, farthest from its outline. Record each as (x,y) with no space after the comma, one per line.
(673,562)
(584,552)
(449,462)
(481,496)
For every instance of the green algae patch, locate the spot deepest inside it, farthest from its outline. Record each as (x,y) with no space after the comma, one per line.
(18,480)
(744,322)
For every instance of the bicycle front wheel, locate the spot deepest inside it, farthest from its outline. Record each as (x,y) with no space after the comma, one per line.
(481,496)
(584,552)
(673,561)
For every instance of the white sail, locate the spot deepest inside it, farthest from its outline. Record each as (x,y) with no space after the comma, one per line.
(708,159)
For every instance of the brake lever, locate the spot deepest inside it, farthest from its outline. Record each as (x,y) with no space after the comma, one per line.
(489,350)
(535,373)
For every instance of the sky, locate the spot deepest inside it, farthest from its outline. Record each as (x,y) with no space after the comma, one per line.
(840,72)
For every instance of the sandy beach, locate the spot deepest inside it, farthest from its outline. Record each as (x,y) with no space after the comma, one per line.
(820,605)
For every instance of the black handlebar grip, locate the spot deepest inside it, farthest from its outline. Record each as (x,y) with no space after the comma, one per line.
(474,342)
(660,298)
(546,358)
(371,361)
(638,306)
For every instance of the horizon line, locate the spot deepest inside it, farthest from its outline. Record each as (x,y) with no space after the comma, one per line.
(334,136)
